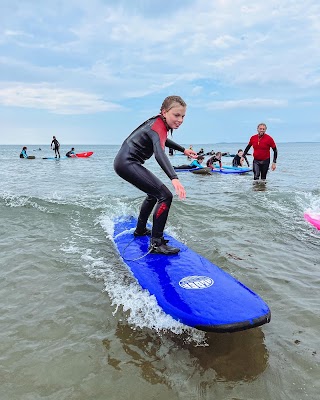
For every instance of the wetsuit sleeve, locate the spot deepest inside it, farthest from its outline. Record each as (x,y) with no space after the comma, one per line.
(174,146)
(245,157)
(275,154)
(196,164)
(161,156)
(246,150)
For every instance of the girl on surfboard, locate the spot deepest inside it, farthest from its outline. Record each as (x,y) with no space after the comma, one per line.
(151,137)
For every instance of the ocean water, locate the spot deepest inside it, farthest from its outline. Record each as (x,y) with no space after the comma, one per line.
(76,325)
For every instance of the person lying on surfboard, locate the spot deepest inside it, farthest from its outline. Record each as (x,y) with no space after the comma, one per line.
(197,163)
(151,137)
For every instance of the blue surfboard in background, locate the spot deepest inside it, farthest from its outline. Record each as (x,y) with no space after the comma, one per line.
(209,171)
(189,287)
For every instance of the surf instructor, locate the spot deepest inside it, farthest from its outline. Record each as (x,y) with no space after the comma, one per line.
(262,143)
(151,137)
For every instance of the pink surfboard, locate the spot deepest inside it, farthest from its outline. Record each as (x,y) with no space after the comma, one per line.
(313,218)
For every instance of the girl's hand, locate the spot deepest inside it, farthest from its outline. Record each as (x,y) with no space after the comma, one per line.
(179,189)
(190,153)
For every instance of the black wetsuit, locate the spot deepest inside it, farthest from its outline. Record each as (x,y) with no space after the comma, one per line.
(261,154)
(148,139)
(212,160)
(70,153)
(236,162)
(56,147)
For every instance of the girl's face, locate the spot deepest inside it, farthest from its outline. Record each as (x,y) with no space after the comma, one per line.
(174,116)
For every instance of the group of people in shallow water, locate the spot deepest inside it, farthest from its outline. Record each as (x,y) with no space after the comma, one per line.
(151,138)
(237,161)
(55,146)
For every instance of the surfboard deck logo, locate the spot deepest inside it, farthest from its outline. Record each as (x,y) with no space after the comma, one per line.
(196,282)
(188,286)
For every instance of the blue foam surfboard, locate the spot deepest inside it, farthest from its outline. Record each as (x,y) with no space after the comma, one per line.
(224,170)
(55,158)
(189,287)
(231,170)
(186,169)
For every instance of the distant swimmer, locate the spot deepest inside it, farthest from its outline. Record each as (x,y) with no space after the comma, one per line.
(23,153)
(262,143)
(56,146)
(239,159)
(201,151)
(71,152)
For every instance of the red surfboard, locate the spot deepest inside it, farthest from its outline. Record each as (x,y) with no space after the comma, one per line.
(84,155)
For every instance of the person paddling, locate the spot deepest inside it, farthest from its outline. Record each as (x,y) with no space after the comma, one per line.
(70,153)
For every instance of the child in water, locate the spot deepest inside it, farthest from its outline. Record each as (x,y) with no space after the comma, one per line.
(213,159)
(151,137)
(197,163)
(239,159)
(23,153)
(70,153)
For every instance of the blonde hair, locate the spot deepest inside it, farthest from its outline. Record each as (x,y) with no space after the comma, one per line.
(170,101)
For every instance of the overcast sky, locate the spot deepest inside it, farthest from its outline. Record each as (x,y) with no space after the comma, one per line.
(89,72)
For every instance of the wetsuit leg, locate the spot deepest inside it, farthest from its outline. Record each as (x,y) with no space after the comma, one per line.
(260,168)
(146,181)
(264,168)
(145,211)
(256,169)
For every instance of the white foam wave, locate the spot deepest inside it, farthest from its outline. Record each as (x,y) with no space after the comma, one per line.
(141,309)
(70,249)
(22,201)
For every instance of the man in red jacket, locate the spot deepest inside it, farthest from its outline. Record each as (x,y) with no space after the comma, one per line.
(262,143)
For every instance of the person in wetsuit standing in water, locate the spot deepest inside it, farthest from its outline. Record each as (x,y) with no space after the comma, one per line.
(262,143)
(56,147)
(151,137)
